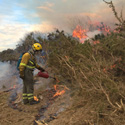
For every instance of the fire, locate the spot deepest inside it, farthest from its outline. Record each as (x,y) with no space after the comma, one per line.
(80,33)
(58,92)
(35,98)
(104,28)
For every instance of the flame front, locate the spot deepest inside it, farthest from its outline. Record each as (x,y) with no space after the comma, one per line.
(81,33)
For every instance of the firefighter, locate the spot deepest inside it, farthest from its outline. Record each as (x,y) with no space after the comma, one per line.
(26,68)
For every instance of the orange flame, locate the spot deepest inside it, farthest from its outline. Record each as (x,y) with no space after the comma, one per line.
(55,87)
(35,98)
(102,27)
(58,92)
(80,33)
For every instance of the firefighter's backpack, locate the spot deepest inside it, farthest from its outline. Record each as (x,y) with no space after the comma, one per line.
(19,60)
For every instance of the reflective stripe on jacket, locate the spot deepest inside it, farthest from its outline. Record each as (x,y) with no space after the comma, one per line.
(28,61)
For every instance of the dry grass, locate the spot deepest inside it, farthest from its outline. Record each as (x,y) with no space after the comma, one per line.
(94,73)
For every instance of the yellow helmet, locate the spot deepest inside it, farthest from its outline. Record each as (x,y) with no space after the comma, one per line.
(37,47)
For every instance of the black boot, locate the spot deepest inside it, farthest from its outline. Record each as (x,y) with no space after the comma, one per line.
(25,101)
(34,102)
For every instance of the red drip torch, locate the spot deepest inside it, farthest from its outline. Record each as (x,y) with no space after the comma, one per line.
(45,75)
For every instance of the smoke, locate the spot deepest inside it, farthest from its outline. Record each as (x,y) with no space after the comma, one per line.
(4,70)
(8,75)
(89,35)
(21,17)
(59,14)
(92,34)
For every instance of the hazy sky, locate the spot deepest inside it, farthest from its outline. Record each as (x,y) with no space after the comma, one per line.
(17,17)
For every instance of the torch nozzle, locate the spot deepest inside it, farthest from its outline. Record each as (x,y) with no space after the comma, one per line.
(52,77)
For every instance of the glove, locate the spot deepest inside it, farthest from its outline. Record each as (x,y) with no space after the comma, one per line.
(41,69)
(21,75)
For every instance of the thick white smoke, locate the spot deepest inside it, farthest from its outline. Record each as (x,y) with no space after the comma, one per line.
(91,34)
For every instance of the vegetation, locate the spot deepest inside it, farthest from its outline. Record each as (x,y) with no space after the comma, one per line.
(94,72)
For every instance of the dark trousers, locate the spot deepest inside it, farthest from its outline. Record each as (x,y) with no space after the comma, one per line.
(28,85)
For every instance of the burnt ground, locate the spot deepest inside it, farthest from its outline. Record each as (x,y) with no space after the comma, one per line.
(14,112)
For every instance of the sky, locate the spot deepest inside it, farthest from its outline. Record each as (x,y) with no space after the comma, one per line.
(19,17)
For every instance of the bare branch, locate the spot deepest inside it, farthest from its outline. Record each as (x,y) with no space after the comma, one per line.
(107,96)
(114,11)
(122,15)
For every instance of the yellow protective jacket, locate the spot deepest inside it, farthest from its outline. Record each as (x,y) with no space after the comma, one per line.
(28,61)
